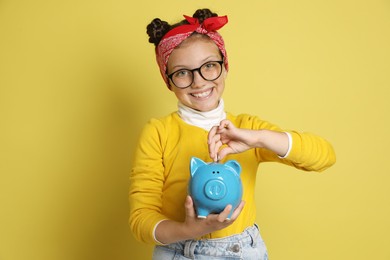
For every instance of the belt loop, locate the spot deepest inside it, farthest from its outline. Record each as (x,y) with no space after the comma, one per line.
(254,233)
(189,249)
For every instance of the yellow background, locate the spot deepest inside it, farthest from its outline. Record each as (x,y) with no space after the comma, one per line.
(78,80)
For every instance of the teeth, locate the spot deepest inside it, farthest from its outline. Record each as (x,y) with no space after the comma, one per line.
(203,94)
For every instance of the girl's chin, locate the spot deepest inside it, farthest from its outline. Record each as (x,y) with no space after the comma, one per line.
(204,107)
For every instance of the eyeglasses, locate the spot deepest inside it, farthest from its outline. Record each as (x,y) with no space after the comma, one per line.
(209,71)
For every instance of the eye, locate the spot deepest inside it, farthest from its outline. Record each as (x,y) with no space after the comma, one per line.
(181,74)
(210,65)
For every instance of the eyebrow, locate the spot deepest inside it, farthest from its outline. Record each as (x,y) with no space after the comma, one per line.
(207,59)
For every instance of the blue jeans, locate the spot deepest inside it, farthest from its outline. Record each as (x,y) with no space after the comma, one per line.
(247,245)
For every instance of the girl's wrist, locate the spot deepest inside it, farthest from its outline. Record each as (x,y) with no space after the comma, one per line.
(277,142)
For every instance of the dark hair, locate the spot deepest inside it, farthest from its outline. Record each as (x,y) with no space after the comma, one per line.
(158,28)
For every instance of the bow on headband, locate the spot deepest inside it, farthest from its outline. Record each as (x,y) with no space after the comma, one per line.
(208,25)
(178,34)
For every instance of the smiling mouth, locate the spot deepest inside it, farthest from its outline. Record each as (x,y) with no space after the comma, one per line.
(202,94)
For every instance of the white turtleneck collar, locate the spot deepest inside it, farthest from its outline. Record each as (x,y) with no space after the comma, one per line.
(205,120)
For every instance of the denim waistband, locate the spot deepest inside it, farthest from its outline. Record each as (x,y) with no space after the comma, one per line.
(228,246)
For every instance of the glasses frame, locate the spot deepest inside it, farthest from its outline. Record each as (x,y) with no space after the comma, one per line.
(220,62)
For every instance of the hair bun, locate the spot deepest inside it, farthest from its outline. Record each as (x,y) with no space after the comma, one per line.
(203,14)
(156,30)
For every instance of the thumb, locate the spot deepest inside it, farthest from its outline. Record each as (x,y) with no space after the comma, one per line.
(224,151)
(189,207)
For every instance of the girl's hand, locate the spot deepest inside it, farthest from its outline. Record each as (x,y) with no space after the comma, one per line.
(169,231)
(227,139)
(213,222)
(237,140)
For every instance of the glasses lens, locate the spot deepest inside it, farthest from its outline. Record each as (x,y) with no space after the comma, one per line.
(182,78)
(211,70)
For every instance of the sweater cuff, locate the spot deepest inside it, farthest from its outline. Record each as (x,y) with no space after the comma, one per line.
(154,233)
(290,142)
(295,151)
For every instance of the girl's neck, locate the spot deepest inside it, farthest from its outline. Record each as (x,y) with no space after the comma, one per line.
(205,120)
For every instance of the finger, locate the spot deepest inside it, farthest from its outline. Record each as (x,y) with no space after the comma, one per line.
(224,124)
(216,151)
(214,146)
(214,139)
(211,134)
(224,214)
(211,140)
(189,207)
(212,151)
(224,151)
(238,210)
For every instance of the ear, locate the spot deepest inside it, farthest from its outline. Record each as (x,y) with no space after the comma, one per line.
(224,72)
(195,164)
(234,165)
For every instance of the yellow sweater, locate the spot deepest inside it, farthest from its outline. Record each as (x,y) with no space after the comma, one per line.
(160,173)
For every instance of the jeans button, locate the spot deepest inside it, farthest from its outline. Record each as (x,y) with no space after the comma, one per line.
(235,248)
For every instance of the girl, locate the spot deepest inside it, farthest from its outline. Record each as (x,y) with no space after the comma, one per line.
(193,62)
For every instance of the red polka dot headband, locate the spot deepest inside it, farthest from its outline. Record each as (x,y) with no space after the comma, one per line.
(178,34)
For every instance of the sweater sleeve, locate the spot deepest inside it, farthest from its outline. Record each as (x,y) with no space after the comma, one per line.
(146,182)
(308,151)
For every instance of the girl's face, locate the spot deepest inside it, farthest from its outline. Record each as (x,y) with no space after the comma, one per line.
(201,95)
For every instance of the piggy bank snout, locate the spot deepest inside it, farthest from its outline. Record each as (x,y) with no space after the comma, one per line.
(215,189)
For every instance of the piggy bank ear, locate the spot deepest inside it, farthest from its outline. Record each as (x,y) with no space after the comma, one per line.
(195,164)
(235,165)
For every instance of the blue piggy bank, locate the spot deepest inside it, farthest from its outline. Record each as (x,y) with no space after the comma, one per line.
(213,186)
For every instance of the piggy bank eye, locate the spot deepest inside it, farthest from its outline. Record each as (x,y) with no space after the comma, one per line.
(213,172)
(218,172)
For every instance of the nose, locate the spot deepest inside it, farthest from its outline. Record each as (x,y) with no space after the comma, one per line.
(198,81)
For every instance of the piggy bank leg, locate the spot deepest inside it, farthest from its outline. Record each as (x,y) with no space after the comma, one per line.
(202,213)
